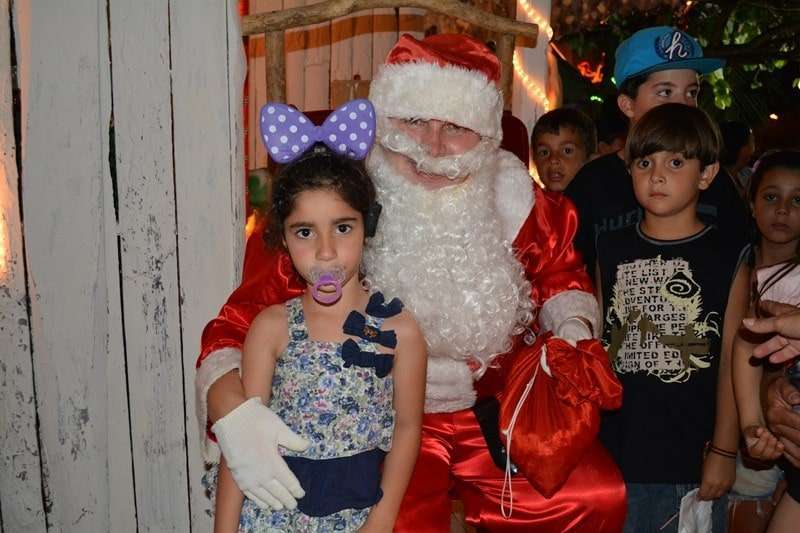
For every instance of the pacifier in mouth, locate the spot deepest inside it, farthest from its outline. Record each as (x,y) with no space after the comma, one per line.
(326,285)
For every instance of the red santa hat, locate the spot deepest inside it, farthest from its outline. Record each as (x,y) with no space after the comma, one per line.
(452,78)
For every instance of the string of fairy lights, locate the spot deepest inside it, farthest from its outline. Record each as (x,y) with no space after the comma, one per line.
(535,91)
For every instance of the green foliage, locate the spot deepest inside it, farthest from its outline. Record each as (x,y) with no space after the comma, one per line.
(758,38)
(723,97)
(257,191)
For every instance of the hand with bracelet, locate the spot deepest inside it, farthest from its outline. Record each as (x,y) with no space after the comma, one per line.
(719,472)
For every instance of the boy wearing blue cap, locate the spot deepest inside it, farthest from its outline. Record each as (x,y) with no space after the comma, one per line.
(654,66)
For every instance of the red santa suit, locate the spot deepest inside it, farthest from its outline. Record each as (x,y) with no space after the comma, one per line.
(453,79)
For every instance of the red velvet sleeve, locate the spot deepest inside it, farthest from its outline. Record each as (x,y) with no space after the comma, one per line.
(268,279)
(544,247)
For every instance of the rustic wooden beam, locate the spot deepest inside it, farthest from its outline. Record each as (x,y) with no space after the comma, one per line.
(302,16)
(505,53)
(276,66)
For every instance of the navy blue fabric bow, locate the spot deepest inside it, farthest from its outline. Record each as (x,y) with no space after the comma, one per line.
(376,307)
(356,325)
(352,355)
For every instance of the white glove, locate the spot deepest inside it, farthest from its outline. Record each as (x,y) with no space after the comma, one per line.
(573,330)
(249,437)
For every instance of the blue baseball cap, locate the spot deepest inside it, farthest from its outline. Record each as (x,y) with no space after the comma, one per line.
(660,48)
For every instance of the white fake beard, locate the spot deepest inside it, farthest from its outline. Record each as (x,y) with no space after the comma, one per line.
(443,253)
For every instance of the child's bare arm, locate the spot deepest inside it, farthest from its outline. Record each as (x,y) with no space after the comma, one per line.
(258,365)
(747,384)
(719,472)
(267,336)
(761,443)
(409,373)
(228,504)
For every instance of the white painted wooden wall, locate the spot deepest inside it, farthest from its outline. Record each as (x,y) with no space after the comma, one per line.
(116,247)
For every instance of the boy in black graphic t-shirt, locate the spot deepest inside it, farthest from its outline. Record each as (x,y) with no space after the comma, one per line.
(654,66)
(668,325)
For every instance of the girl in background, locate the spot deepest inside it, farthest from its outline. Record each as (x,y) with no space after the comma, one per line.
(775,202)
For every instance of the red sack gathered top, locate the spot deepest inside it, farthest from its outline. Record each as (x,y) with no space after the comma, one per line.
(561,412)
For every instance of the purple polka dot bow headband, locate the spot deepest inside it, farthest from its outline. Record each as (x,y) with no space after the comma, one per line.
(287,133)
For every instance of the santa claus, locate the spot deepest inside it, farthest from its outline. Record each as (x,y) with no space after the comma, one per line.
(484,260)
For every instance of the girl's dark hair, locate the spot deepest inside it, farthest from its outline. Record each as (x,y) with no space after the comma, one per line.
(567,117)
(674,128)
(788,159)
(320,168)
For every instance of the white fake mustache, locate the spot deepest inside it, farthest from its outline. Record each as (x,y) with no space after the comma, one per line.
(453,167)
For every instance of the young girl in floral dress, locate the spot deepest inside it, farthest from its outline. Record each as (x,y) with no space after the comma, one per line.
(341,366)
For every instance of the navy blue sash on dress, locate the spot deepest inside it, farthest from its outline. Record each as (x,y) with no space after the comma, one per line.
(333,485)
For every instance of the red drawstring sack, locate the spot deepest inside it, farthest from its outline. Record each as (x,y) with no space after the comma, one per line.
(560,416)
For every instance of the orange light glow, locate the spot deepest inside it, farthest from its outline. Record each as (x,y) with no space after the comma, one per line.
(3,249)
(251,225)
(4,266)
(593,74)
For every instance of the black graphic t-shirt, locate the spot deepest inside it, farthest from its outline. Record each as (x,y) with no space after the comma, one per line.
(602,191)
(663,310)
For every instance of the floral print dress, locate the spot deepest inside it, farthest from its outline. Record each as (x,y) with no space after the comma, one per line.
(341,406)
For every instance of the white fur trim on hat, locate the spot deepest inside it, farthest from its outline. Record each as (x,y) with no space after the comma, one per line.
(428,91)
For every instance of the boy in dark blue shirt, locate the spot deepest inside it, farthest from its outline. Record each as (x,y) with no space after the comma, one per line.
(669,316)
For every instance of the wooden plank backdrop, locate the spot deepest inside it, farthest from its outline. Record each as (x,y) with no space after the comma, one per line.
(207,110)
(123,242)
(64,168)
(20,467)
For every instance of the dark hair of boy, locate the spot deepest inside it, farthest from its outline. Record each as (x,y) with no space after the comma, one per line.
(630,87)
(611,125)
(735,136)
(674,128)
(319,169)
(567,117)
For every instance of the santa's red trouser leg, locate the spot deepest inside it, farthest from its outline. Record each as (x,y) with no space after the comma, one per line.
(426,504)
(592,500)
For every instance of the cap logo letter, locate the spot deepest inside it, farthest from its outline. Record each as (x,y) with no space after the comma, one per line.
(675,46)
